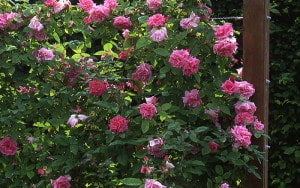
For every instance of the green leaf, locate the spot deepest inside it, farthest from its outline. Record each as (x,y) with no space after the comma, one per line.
(162,52)
(166,106)
(56,37)
(131,181)
(193,137)
(107,47)
(209,183)
(181,35)
(142,42)
(219,169)
(201,129)
(145,126)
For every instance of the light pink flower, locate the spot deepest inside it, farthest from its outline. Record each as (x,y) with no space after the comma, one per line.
(156,20)
(213,146)
(152,100)
(191,22)
(99,13)
(224,31)
(125,33)
(35,24)
(258,125)
(226,47)
(191,98)
(146,169)
(242,136)
(158,34)
(245,89)
(207,12)
(121,22)
(224,185)
(61,182)
(178,58)
(154,4)
(118,124)
(43,54)
(214,115)
(8,146)
(151,183)
(143,72)
(155,147)
(86,5)
(38,35)
(7,20)
(190,66)
(75,118)
(243,118)
(97,87)
(147,110)
(169,165)
(246,106)
(61,5)
(229,87)
(111,4)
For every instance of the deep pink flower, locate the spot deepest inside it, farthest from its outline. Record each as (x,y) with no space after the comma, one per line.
(50,3)
(147,110)
(190,66)
(111,4)
(121,22)
(224,31)
(43,54)
(123,55)
(245,107)
(191,98)
(258,125)
(226,47)
(213,146)
(35,24)
(118,124)
(7,20)
(178,57)
(97,87)
(242,136)
(99,13)
(191,22)
(245,89)
(155,147)
(224,185)
(8,146)
(61,182)
(86,5)
(151,183)
(154,4)
(158,34)
(243,118)
(143,72)
(75,118)
(156,20)
(229,87)
(41,171)
(146,169)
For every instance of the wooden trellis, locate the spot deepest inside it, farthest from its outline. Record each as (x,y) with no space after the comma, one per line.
(256,70)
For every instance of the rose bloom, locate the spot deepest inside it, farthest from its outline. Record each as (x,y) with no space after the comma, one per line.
(35,24)
(147,110)
(213,146)
(74,119)
(178,57)
(43,54)
(156,20)
(61,5)
(61,182)
(191,98)
(245,89)
(226,47)
(118,124)
(190,66)
(152,100)
(41,171)
(258,125)
(223,31)
(151,183)
(155,147)
(50,3)
(86,5)
(123,55)
(243,117)
(7,19)
(191,22)
(146,170)
(111,4)
(97,87)
(245,107)
(154,4)
(214,115)
(8,146)
(125,33)
(224,185)
(143,72)
(229,87)
(121,22)
(158,34)
(38,35)
(242,136)
(207,11)
(99,13)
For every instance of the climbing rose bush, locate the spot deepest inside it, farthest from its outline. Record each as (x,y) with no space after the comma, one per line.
(123,94)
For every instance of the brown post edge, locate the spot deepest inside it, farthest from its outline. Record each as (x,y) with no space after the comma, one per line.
(256,71)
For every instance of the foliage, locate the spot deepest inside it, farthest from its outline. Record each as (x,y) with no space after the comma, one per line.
(62,123)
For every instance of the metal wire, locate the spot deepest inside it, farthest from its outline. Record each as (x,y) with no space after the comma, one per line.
(229,18)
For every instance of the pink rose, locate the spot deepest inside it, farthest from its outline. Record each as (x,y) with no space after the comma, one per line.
(35,24)
(75,118)
(123,55)
(111,4)
(207,12)
(242,136)
(191,98)
(229,87)
(147,110)
(191,22)
(156,20)
(152,100)
(41,171)
(213,146)
(38,35)
(125,33)
(122,22)
(190,66)
(8,146)
(243,118)
(224,185)
(158,34)
(97,88)
(151,183)
(226,47)
(245,107)
(61,182)
(155,147)
(178,57)
(86,5)
(258,125)
(118,124)
(146,169)
(43,54)
(99,13)
(61,5)
(245,89)
(214,115)
(154,4)
(143,72)
(223,31)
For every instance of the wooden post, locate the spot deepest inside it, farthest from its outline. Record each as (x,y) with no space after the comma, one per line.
(256,71)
